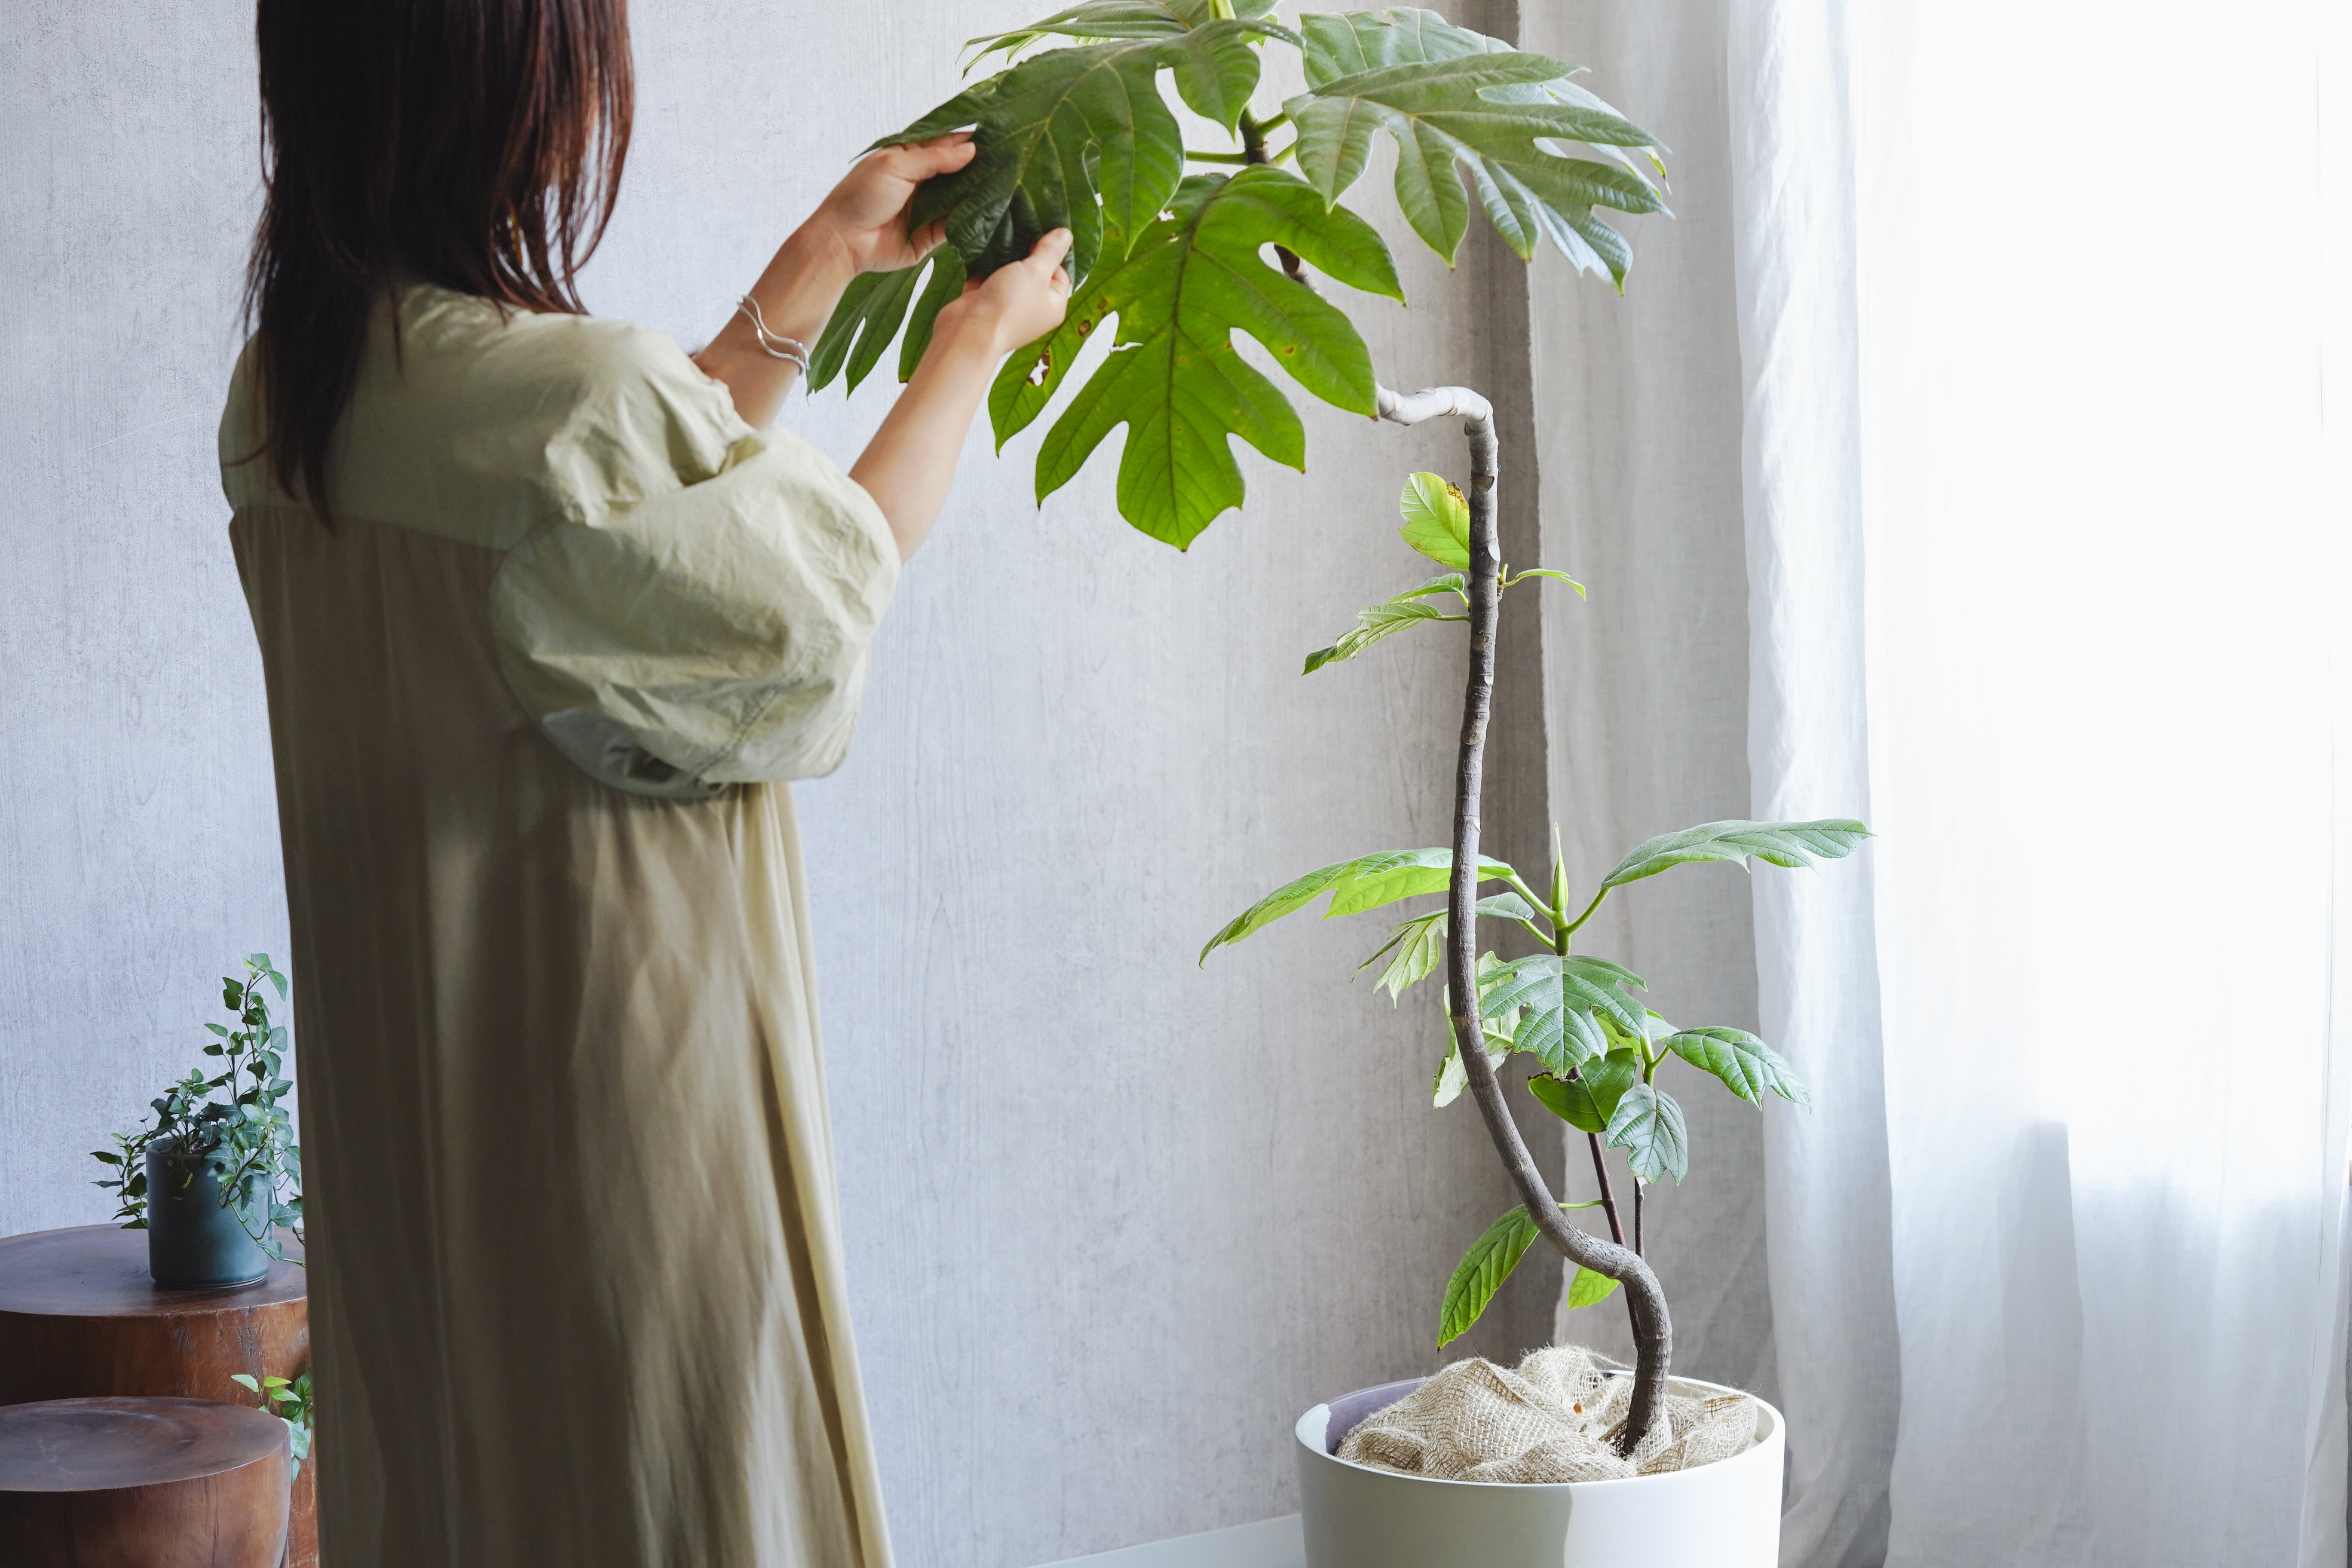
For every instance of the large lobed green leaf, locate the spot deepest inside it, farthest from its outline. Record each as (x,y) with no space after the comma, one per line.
(1080,136)
(1367,883)
(1173,376)
(1793,844)
(1453,99)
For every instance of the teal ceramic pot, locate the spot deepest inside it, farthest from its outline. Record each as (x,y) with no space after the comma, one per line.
(193,1240)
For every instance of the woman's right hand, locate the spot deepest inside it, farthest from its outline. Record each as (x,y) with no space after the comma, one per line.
(1017,303)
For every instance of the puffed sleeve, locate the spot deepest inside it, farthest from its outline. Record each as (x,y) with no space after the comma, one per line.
(697,610)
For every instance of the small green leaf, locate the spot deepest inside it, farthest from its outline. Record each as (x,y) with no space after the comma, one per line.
(1436,519)
(1519,577)
(1587,1101)
(1367,883)
(1506,907)
(1375,622)
(1481,1272)
(1418,946)
(102,1154)
(1452,1077)
(220,1030)
(1648,1125)
(1792,844)
(1747,1066)
(1588,1289)
(245,1379)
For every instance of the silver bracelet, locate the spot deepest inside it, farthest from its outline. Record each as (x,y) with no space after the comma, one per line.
(776,345)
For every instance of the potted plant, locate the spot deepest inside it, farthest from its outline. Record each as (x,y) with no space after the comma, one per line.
(218,1172)
(1173,242)
(1600,1051)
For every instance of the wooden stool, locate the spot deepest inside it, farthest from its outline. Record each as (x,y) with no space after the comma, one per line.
(81,1318)
(142,1483)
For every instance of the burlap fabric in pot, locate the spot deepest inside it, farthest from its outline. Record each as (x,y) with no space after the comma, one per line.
(1555,1418)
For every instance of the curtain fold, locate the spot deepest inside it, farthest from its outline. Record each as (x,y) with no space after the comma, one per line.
(2045,528)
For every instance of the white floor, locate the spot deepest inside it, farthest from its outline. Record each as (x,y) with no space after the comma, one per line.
(1268,1543)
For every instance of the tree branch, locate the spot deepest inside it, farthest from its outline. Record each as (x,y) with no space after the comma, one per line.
(1653,1329)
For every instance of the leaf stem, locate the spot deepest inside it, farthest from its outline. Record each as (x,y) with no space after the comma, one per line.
(1577,923)
(1253,151)
(1195,156)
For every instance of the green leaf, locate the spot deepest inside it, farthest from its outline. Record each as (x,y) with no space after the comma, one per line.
(1779,843)
(1587,1101)
(1562,996)
(1588,1289)
(1482,1271)
(245,1379)
(1173,376)
(1079,137)
(1418,946)
(102,1154)
(1436,519)
(1747,1066)
(1648,1125)
(220,1030)
(1504,907)
(1122,19)
(863,324)
(1520,577)
(1451,97)
(1385,619)
(1452,1077)
(1365,883)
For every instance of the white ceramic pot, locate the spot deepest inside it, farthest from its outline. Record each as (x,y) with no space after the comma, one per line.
(1723,1515)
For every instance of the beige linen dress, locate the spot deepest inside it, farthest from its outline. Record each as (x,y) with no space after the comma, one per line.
(575,1265)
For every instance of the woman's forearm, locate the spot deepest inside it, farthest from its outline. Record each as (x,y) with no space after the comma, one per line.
(907,466)
(795,295)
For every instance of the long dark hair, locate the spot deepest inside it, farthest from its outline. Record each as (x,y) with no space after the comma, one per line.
(475,143)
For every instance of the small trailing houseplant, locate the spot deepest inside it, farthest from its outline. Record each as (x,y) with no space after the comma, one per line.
(289,1399)
(1182,247)
(223,1133)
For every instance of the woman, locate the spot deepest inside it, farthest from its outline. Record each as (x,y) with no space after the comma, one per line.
(546,622)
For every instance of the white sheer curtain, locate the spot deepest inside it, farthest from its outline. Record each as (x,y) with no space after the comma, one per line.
(2040,309)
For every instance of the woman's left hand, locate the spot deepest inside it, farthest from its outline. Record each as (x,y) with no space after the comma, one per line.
(864,221)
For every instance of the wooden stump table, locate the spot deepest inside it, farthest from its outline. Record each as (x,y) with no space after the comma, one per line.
(142,1483)
(80,1317)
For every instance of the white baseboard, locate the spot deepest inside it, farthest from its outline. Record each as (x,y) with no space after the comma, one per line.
(1268,1543)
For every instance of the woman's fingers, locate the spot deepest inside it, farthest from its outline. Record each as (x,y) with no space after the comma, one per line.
(1046,255)
(921,159)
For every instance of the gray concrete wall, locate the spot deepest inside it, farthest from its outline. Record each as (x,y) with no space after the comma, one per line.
(1113,1220)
